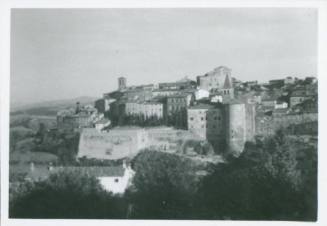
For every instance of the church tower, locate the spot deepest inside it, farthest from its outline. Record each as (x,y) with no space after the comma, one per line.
(227,90)
(121,83)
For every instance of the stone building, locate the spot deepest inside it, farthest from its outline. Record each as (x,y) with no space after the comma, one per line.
(289,80)
(103,104)
(207,122)
(226,92)
(165,92)
(277,82)
(81,117)
(215,79)
(147,109)
(298,96)
(138,94)
(118,143)
(179,102)
(239,125)
(184,83)
(176,109)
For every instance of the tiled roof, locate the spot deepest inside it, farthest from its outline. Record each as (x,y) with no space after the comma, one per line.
(203,106)
(97,171)
(33,157)
(179,95)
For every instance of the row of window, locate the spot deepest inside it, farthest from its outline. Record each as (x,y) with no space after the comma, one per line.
(206,126)
(177,100)
(206,118)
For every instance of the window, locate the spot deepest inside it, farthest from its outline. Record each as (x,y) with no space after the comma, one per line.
(202,126)
(116,180)
(215,117)
(202,118)
(191,118)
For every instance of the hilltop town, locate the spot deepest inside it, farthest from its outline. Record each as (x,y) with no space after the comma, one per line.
(197,125)
(216,108)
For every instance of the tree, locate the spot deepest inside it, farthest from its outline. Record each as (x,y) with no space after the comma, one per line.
(18,134)
(66,195)
(265,183)
(166,186)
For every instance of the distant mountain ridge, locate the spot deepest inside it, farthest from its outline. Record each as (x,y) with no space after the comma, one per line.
(50,107)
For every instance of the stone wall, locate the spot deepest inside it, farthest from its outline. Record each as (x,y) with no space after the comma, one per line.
(266,125)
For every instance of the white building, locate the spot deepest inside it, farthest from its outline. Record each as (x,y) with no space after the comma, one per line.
(115,179)
(201,93)
(217,99)
(118,179)
(147,109)
(281,105)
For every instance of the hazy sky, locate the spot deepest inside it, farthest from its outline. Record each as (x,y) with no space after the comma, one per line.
(65,53)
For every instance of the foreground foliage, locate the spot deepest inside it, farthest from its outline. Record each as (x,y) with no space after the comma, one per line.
(275,178)
(65,195)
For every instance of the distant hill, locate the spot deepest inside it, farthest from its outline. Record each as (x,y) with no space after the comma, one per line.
(50,107)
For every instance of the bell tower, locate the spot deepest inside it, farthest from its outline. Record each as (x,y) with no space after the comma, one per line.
(121,83)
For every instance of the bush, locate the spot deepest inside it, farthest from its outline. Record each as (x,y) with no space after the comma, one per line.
(65,195)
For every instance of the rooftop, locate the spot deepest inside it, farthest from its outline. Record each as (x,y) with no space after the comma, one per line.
(180,95)
(227,84)
(96,171)
(203,106)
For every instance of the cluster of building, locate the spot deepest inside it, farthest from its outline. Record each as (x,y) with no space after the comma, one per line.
(216,111)
(206,107)
(216,108)
(81,117)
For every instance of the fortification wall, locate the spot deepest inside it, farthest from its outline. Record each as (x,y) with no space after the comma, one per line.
(111,145)
(250,121)
(266,125)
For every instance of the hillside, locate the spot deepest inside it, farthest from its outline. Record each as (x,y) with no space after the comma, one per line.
(49,107)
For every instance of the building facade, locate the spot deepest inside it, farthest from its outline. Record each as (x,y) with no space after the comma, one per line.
(118,143)
(207,122)
(184,83)
(165,92)
(147,109)
(215,79)
(102,105)
(81,117)
(239,125)
(298,96)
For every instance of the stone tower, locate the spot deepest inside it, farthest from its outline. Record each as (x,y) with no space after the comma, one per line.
(239,124)
(227,91)
(121,83)
(235,120)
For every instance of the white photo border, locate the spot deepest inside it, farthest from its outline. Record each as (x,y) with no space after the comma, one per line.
(5,10)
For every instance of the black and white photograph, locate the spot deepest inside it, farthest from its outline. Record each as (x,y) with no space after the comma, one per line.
(203,113)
